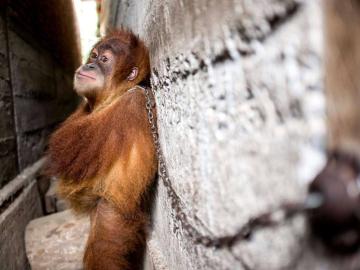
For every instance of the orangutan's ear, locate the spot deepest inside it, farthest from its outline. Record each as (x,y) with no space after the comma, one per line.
(133,74)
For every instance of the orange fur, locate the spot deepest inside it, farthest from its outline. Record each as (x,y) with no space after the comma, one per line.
(105,157)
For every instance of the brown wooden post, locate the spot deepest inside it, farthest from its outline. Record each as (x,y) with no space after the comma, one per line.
(342,46)
(336,221)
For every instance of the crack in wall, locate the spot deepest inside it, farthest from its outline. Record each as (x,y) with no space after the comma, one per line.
(182,73)
(275,21)
(265,220)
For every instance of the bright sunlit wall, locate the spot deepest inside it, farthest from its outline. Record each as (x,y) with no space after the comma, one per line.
(87,18)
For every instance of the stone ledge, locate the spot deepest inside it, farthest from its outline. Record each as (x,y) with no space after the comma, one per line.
(57,241)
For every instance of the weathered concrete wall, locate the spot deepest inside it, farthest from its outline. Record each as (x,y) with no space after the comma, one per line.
(239,91)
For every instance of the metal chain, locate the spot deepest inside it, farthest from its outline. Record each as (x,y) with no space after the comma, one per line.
(163,174)
(268,219)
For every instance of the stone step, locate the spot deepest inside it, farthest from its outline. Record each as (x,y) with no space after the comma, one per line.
(57,241)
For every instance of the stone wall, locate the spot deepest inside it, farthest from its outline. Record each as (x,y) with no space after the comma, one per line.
(239,92)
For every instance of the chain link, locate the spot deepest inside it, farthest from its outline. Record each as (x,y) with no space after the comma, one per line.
(269,219)
(193,233)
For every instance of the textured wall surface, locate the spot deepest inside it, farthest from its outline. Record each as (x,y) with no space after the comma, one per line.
(52,23)
(35,95)
(36,87)
(239,91)
(8,162)
(42,93)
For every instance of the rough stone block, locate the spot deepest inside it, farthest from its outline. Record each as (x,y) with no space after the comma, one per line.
(240,102)
(57,241)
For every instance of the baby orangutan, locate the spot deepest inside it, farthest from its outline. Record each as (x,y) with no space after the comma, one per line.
(104,153)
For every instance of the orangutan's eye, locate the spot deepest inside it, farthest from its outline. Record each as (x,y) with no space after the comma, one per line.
(104,59)
(93,55)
